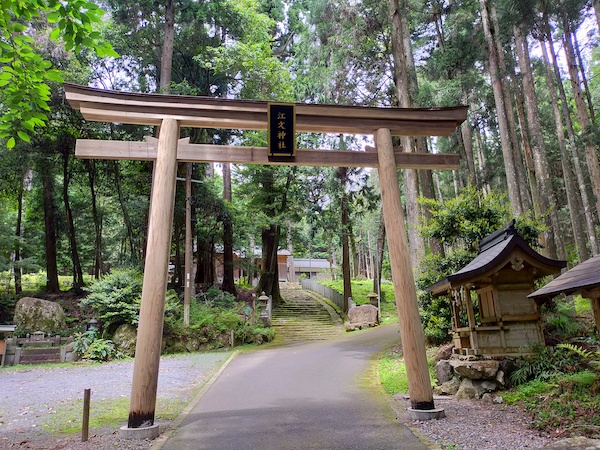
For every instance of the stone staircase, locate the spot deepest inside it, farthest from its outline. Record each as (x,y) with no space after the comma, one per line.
(303,318)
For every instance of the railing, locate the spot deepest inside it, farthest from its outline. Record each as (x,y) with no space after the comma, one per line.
(333,296)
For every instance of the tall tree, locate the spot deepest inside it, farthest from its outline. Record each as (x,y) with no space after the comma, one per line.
(553,239)
(507,151)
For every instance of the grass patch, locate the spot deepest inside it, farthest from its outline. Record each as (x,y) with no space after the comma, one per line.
(392,373)
(566,405)
(107,413)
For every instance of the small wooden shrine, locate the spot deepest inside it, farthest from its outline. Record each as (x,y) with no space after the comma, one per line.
(583,279)
(491,313)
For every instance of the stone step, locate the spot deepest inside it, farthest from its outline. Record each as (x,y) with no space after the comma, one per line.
(302,318)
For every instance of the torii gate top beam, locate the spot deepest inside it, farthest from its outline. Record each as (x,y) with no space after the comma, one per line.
(206,112)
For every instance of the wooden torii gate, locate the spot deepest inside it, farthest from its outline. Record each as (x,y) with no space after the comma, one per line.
(170,112)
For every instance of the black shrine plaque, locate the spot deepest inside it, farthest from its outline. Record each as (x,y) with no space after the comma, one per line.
(282,130)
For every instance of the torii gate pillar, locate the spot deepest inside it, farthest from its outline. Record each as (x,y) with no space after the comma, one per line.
(149,337)
(411,331)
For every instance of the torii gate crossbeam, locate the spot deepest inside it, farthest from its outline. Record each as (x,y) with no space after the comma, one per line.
(171,112)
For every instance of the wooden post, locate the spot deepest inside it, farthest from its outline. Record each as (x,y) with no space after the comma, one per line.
(411,331)
(85,425)
(160,223)
(189,258)
(596,308)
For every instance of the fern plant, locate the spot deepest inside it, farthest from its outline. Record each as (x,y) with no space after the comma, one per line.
(592,358)
(547,362)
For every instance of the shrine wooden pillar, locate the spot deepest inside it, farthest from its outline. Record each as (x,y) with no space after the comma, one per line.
(158,249)
(411,330)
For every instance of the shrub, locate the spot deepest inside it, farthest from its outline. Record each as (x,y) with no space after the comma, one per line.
(115,298)
(546,364)
(89,346)
(216,297)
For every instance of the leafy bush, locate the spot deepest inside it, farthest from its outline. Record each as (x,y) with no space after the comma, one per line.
(561,322)
(89,346)
(546,364)
(115,298)
(216,297)
(254,334)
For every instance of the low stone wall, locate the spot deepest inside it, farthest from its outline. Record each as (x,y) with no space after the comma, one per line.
(472,377)
(25,351)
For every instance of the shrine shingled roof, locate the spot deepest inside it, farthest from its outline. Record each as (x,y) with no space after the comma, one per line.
(582,278)
(495,251)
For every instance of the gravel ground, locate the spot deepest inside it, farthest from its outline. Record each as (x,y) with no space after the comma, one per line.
(30,398)
(33,400)
(475,425)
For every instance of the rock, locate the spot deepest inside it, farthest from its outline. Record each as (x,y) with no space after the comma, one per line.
(448,388)
(498,400)
(507,366)
(352,326)
(444,352)
(487,398)
(125,338)
(443,371)
(486,385)
(35,314)
(576,443)
(474,389)
(500,378)
(475,370)
(467,390)
(365,315)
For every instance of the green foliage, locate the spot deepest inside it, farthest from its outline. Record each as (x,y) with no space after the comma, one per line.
(392,373)
(25,74)
(460,223)
(561,322)
(115,298)
(527,390)
(93,348)
(247,333)
(216,297)
(566,405)
(546,363)
(590,357)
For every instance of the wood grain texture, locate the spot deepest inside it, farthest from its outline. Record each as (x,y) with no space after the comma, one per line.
(97,149)
(149,336)
(413,340)
(150,109)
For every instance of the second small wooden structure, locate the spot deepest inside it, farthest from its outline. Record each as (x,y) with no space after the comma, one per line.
(501,276)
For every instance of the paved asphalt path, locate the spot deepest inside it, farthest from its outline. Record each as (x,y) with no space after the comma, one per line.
(301,396)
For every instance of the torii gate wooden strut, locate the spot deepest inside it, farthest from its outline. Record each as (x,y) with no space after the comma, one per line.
(171,112)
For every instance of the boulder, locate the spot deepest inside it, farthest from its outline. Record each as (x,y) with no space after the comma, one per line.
(474,389)
(443,371)
(35,314)
(448,388)
(125,338)
(364,315)
(444,352)
(467,390)
(475,370)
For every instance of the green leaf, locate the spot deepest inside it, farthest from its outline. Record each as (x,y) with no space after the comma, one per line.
(55,34)
(10,143)
(54,75)
(24,136)
(53,17)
